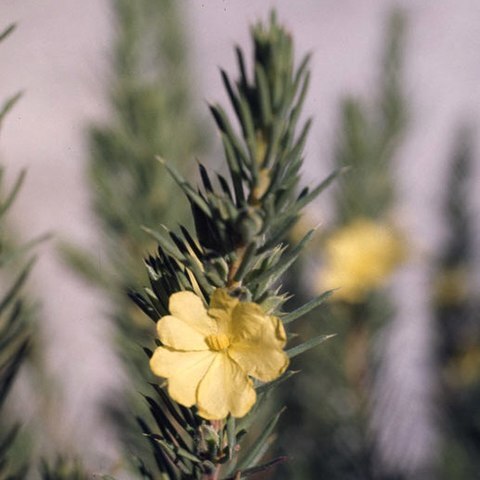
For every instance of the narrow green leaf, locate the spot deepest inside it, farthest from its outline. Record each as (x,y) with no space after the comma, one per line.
(13,193)
(84,264)
(225,126)
(243,83)
(194,245)
(307,198)
(199,275)
(234,168)
(167,246)
(224,186)
(193,196)
(168,421)
(246,121)
(309,344)
(19,281)
(298,107)
(259,442)
(231,437)
(266,387)
(9,104)
(205,178)
(263,94)
(234,100)
(296,152)
(178,451)
(163,461)
(10,369)
(272,274)
(7,31)
(303,310)
(144,305)
(300,72)
(272,148)
(260,468)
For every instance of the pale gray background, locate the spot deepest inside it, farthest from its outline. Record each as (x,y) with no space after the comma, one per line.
(59,56)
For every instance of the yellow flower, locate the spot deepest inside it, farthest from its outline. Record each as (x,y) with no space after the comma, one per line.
(209,355)
(359,257)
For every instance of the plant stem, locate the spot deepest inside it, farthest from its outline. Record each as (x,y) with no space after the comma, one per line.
(239,254)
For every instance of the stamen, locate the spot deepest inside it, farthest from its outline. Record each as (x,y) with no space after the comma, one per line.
(218,342)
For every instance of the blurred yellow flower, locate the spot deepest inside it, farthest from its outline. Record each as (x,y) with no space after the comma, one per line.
(359,257)
(208,355)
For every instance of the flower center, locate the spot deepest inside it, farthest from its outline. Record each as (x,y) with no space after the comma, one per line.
(218,342)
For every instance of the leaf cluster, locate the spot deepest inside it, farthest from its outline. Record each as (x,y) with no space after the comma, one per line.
(242,223)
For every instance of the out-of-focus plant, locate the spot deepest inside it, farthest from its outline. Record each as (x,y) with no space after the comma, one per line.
(64,468)
(20,445)
(458,327)
(14,340)
(151,114)
(222,326)
(358,253)
(15,330)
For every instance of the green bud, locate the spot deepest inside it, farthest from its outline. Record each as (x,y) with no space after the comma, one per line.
(249,225)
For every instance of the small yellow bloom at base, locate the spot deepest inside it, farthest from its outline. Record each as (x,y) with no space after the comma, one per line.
(208,356)
(359,257)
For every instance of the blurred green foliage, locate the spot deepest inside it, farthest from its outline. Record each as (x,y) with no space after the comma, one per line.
(152,114)
(458,324)
(328,434)
(15,328)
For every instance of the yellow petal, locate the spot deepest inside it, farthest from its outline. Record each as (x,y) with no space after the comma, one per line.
(225,389)
(257,342)
(189,307)
(184,371)
(221,308)
(250,324)
(179,335)
(264,363)
(223,300)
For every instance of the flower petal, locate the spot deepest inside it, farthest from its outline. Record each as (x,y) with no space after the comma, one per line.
(179,335)
(264,363)
(221,308)
(223,300)
(257,342)
(250,324)
(189,307)
(225,389)
(184,371)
